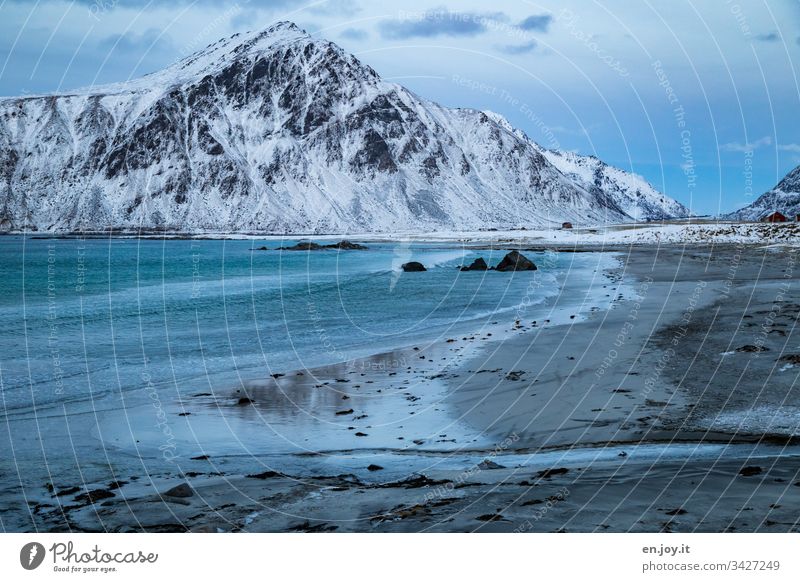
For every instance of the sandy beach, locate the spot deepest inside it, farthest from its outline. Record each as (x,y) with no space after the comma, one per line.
(664,401)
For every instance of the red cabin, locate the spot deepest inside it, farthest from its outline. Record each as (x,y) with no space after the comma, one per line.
(774,217)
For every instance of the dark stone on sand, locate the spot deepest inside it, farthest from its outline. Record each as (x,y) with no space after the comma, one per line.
(94,496)
(416,482)
(264,475)
(181,491)
(750,348)
(306,527)
(477,265)
(343,412)
(750,471)
(413,267)
(374,468)
(166,528)
(547,473)
(68,491)
(244,400)
(490,517)
(515,261)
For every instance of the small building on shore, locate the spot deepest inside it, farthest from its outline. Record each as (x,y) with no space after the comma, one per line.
(775,217)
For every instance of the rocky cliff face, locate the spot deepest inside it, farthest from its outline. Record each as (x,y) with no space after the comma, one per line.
(277,131)
(785,198)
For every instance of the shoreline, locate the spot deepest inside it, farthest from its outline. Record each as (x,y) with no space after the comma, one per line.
(679,232)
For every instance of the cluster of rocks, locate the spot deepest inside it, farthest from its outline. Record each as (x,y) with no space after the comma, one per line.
(513,261)
(344,245)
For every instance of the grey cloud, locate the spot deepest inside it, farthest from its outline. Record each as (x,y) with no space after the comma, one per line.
(735,146)
(150,39)
(439,22)
(336,8)
(769,37)
(354,34)
(518,49)
(537,22)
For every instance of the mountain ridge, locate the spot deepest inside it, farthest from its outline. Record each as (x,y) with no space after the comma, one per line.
(277,131)
(784,197)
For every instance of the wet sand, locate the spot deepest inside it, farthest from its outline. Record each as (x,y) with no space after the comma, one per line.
(672,408)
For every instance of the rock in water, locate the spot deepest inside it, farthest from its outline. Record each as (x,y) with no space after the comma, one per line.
(515,261)
(346,245)
(477,265)
(413,267)
(303,246)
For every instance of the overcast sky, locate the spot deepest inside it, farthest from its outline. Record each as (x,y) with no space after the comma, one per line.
(699,97)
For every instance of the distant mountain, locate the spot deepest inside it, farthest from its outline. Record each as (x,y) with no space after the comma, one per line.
(634,195)
(785,198)
(278,131)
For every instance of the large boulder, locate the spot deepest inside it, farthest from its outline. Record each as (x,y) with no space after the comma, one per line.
(477,265)
(515,261)
(413,267)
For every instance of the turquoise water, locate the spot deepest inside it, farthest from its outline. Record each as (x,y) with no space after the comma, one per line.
(96,318)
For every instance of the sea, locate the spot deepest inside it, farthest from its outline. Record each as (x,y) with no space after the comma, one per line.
(87,318)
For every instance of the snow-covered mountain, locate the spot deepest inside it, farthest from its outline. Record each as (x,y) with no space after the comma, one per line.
(281,132)
(785,198)
(634,195)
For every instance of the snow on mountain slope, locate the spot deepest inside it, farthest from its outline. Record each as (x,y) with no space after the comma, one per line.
(631,193)
(784,197)
(634,195)
(277,131)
